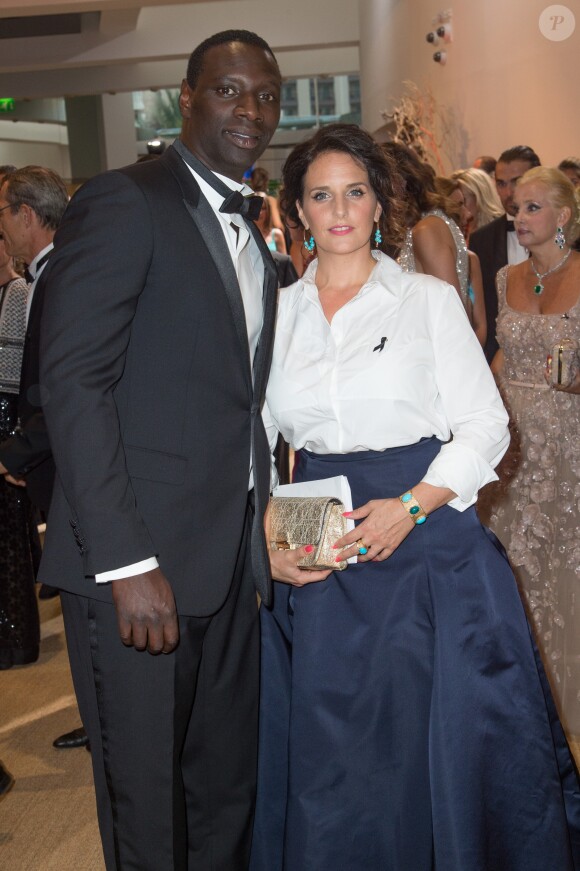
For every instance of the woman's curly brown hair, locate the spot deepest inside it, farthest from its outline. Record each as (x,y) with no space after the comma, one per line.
(419,194)
(381,170)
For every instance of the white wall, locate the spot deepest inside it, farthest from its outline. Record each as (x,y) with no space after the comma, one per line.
(26,143)
(504,82)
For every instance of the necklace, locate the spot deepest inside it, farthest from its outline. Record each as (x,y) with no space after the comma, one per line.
(539,287)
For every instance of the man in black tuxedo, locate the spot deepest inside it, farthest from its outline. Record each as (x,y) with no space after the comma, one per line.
(32,202)
(496,243)
(156,346)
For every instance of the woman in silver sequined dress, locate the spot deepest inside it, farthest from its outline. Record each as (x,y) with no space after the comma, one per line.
(535,507)
(434,244)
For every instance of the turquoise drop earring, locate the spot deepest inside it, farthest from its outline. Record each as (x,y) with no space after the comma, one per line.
(309,243)
(378,236)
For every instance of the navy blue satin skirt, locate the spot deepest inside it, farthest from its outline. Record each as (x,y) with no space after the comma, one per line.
(406,723)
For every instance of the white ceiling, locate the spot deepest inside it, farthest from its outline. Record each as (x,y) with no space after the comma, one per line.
(127,45)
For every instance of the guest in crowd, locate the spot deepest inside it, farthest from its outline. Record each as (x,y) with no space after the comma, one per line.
(33,200)
(457,211)
(570,166)
(496,244)
(433,243)
(480,196)
(260,183)
(405,720)
(486,163)
(19,545)
(273,237)
(534,507)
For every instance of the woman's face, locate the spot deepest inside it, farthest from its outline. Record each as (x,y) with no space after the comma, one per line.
(339,205)
(470,205)
(263,221)
(465,216)
(536,219)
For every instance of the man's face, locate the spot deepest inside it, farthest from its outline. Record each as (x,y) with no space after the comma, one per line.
(232,113)
(573,175)
(506,176)
(12,228)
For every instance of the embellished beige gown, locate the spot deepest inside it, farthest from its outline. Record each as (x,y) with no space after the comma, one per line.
(534,509)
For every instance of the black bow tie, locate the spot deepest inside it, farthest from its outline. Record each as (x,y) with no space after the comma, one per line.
(511,227)
(249,207)
(28,274)
(234,201)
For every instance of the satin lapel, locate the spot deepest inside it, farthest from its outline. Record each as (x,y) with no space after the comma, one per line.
(501,248)
(263,355)
(209,227)
(37,300)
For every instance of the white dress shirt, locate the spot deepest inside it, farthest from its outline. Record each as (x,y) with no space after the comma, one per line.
(249,268)
(399,362)
(516,253)
(35,273)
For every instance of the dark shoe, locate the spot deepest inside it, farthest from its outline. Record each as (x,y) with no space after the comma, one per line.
(47,592)
(6,781)
(76,738)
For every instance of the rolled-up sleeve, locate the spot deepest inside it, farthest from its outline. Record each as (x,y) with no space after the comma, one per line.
(470,401)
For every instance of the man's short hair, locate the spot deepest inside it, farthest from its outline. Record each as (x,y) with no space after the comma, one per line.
(195,64)
(520,152)
(486,163)
(42,189)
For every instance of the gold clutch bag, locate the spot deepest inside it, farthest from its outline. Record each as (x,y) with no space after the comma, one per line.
(316,520)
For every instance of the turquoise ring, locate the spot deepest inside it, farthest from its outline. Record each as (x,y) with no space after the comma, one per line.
(362,548)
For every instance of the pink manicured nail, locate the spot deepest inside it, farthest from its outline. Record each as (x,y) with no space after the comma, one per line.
(346,513)
(339,559)
(309,548)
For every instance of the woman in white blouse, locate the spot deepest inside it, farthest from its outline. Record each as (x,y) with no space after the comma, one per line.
(405,720)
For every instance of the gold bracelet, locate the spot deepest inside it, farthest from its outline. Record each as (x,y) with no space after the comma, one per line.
(413,508)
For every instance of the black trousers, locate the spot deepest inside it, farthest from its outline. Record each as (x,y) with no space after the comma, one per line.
(173,737)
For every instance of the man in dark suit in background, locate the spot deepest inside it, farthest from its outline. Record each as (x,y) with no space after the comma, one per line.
(32,202)
(496,244)
(156,345)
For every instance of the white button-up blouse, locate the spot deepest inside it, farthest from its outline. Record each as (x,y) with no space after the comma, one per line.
(399,362)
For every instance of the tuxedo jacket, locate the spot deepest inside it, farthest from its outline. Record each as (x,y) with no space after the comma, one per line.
(490,245)
(151,407)
(27,453)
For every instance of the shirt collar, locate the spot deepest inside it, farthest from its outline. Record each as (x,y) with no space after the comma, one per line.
(385,270)
(32,267)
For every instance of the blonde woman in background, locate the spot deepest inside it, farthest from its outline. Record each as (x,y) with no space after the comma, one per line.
(480,195)
(457,211)
(534,508)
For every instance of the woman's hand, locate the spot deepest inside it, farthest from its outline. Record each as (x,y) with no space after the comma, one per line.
(284,567)
(385,524)
(284,563)
(573,387)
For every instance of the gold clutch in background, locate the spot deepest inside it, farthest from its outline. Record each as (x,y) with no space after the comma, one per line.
(316,520)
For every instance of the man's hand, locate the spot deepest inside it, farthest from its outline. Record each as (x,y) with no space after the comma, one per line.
(17,482)
(146,612)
